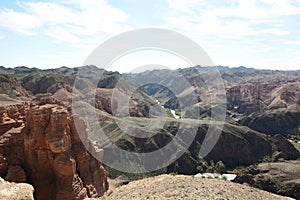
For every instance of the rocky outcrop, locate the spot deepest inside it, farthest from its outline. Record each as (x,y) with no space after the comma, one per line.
(109,80)
(274,122)
(15,191)
(11,117)
(139,103)
(56,157)
(49,83)
(12,142)
(45,149)
(47,98)
(9,85)
(283,149)
(281,178)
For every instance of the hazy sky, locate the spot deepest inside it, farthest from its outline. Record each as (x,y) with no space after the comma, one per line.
(54,33)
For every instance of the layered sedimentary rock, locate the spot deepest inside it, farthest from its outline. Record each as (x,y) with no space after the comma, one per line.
(12,142)
(270,107)
(11,117)
(258,97)
(46,150)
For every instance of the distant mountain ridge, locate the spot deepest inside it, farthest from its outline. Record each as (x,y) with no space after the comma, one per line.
(251,93)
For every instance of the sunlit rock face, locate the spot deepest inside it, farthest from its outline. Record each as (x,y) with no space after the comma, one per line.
(40,145)
(15,191)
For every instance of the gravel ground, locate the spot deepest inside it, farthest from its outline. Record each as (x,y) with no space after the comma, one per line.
(187,187)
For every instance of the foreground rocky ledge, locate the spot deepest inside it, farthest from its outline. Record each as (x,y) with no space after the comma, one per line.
(15,191)
(187,187)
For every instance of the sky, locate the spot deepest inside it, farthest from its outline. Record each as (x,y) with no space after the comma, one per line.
(263,34)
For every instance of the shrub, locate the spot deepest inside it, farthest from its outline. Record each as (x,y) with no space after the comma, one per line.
(169,114)
(211,168)
(220,167)
(202,167)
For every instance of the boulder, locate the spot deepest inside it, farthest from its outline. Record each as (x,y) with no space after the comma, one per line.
(15,191)
(280,177)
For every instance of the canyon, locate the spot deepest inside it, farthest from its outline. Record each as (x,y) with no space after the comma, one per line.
(45,143)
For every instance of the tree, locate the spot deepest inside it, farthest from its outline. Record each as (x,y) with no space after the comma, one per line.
(220,167)
(211,168)
(202,167)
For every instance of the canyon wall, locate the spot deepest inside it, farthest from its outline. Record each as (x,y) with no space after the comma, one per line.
(40,145)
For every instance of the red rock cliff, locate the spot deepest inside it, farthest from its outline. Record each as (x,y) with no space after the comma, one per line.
(50,154)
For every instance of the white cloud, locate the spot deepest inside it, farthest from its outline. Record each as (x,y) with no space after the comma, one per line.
(233,18)
(260,9)
(66,21)
(251,32)
(19,22)
(47,12)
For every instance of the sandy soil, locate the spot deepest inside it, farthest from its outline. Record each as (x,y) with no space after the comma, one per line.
(187,187)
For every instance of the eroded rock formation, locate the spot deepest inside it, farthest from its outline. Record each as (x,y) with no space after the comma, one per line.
(44,149)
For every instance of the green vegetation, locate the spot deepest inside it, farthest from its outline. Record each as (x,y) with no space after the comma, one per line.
(169,114)
(212,167)
(178,113)
(220,167)
(295,138)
